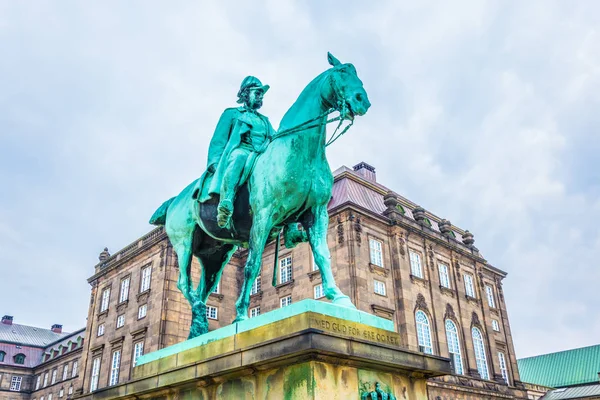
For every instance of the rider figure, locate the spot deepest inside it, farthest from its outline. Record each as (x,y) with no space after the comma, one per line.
(241,134)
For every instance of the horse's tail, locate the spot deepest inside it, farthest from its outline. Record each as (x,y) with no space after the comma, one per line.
(160,216)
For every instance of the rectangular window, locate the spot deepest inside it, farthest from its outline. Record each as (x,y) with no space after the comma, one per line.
(415,265)
(254,312)
(444,276)
(379,287)
(105,300)
(138,351)
(114,368)
(61,393)
(285,301)
(124,294)
(375,250)
(495,325)
(15,383)
(469,288)
(50,396)
(100,330)
(53,377)
(146,275)
(217,288)
(285,270)
(74,370)
(65,372)
(503,368)
(142,311)
(211,312)
(120,321)
(38,382)
(46,379)
(318,291)
(490,296)
(70,390)
(256,285)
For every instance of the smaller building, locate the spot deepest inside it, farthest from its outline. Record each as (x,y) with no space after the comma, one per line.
(38,363)
(573,373)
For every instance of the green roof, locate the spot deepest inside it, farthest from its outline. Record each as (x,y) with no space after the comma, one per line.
(565,368)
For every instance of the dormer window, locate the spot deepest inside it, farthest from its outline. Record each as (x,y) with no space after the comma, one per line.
(20,359)
(2,354)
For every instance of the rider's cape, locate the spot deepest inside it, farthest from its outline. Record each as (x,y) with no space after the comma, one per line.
(228,136)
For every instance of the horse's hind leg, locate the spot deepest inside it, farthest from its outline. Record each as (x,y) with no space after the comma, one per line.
(316,223)
(213,257)
(183,248)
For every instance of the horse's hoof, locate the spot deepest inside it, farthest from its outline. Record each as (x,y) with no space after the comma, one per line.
(343,301)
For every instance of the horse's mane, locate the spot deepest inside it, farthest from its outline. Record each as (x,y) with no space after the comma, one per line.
(306,94)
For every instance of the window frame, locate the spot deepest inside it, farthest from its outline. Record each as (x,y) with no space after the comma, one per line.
(2,356)
(489,292)
(381,285)
(143,307)
(423,335)
(115,366)
(100,331)
(15,383)
(124,294)
(256,285)
(255,311)
(54,374)
(454,346)
(480,355)
(495,325)
(120,318)
(105,299)
(289,268)
(445,276)
(318,292)
(469,278)
(375,253)
(19,358)
(74,369)
(417,262)
(65,374)
(287,299)
(136,356)
(145,281)
(216,312)
(503,367)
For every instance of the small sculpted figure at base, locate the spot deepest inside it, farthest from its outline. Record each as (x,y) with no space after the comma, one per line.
(260,182)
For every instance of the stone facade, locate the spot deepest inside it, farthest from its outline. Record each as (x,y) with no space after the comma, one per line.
(373,235)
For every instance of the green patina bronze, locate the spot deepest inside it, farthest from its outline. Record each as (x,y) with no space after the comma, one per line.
(259,182)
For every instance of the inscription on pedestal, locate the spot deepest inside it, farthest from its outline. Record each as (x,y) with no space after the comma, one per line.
(364,332)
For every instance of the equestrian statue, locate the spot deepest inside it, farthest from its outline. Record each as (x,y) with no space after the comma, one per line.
(260,182)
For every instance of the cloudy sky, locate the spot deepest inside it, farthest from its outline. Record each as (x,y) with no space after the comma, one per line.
(485,113)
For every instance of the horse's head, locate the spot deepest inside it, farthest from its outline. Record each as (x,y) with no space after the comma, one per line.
(345,92)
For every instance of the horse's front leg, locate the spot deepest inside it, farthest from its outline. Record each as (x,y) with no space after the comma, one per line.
(259,233)
(316,224)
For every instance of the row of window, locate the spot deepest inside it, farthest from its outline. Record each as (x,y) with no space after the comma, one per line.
(454,346)
(18,358)
(65,375)
(142,312)
(124,288)
(115,366)
(61,393)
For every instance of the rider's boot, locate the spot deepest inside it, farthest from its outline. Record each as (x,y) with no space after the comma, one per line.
(224,211)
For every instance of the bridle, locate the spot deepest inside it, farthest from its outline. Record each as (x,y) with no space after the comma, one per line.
(342,108)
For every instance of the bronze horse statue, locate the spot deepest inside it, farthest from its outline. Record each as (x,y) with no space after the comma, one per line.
(290,183)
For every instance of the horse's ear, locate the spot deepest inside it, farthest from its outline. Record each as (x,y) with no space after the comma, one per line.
(332,60)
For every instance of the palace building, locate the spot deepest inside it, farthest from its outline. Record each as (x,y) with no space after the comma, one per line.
(392,257)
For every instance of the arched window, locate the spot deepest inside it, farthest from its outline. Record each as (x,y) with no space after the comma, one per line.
(2,354)
(480,358)
(20,359)
(454,346)
(423,332)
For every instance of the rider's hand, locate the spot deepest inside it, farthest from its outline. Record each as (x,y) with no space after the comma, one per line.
(211,168)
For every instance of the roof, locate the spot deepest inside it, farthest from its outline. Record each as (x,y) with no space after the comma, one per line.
(564,368)
(576,392)
(29,335)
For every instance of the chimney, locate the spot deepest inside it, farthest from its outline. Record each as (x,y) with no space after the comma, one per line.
(56,328)
(366,171)
(7,319)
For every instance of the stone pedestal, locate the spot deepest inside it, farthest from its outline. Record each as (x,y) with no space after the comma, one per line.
(309,350)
